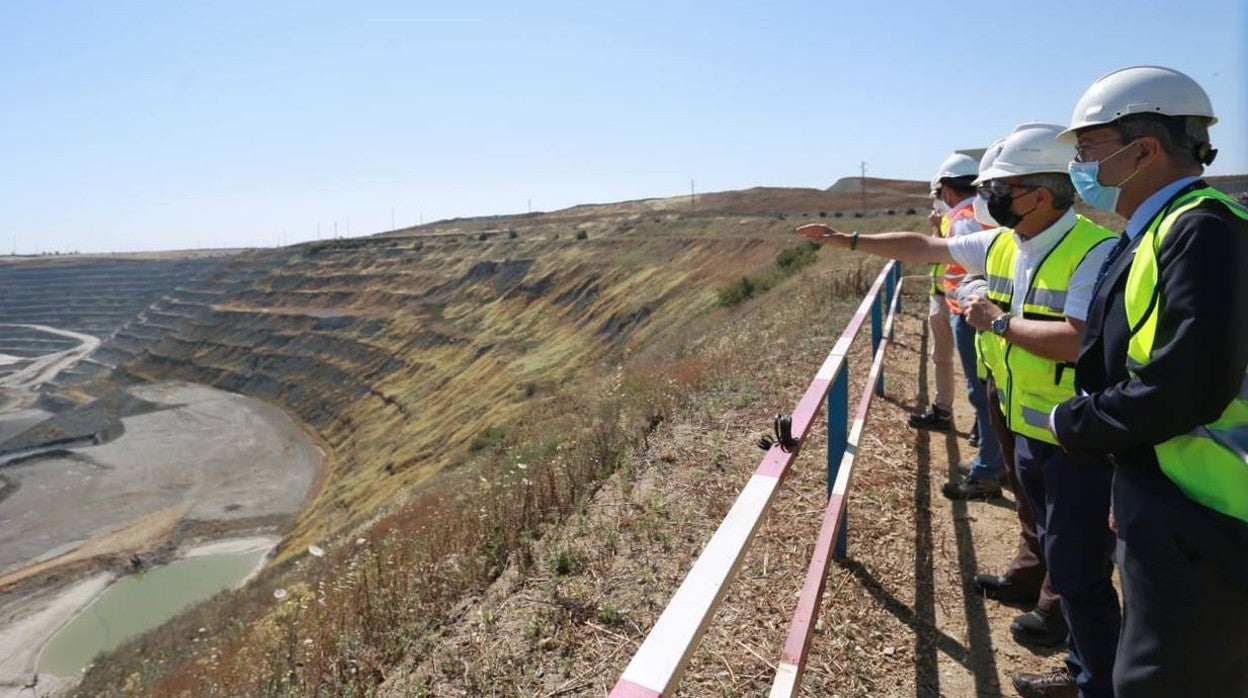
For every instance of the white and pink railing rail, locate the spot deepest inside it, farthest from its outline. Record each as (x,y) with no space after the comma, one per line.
(656,668)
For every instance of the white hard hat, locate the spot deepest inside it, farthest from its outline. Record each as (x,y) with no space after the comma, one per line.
(1139,89)
(956,165)
(990,156)
(1030,149)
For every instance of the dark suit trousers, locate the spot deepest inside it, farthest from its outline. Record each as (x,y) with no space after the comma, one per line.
(1184,572)
(1073,492)
(1027,567)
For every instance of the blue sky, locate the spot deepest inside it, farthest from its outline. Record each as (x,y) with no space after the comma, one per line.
(157,125)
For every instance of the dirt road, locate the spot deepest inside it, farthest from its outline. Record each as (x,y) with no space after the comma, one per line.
(17,387)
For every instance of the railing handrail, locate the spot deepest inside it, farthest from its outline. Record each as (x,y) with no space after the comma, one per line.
(661,659)
(796,646)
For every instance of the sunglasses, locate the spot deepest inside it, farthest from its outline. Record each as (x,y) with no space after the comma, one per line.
(1000,188)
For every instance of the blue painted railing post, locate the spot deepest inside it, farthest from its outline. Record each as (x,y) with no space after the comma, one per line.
(838,439)
(897,272)
(877,330)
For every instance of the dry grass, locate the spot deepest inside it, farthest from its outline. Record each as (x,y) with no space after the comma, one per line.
(377,600)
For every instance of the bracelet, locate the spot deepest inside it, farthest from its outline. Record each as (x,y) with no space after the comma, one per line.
(853,240)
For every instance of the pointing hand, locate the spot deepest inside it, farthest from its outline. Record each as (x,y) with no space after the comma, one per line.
(825,235)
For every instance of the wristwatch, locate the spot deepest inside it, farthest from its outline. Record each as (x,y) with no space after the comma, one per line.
(1001,323)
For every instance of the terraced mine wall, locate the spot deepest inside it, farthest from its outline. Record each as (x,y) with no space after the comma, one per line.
(91,295)
(399,351)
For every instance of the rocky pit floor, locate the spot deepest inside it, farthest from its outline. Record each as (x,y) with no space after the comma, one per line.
(210,457)
(898,617)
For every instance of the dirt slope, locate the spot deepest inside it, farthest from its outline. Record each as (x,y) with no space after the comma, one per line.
(897,619)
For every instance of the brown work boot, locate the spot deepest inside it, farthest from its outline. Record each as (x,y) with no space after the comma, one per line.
(1058,683)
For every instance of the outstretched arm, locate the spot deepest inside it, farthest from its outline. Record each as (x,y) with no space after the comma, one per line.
(907,247)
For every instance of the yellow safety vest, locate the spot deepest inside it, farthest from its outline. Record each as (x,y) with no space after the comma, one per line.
(1030,386)
(1210,463)
(937,271)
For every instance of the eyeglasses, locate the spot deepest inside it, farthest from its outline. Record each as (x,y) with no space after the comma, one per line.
(1081,152)
(1002,188)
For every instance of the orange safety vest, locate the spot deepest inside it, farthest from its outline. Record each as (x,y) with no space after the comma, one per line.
(953,272)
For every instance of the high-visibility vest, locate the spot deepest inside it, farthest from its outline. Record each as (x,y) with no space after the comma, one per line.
(1209,463)
(937,271)
(1030,386)
(954,273)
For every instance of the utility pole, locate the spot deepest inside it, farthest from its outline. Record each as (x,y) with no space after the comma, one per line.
(530,205)
(863,183)
(691,199)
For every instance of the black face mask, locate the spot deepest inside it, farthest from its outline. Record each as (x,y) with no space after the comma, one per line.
(999,208)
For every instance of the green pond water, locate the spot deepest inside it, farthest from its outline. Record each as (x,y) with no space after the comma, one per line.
(140,602)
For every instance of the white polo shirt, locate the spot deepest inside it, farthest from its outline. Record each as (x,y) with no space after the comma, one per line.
(971,251)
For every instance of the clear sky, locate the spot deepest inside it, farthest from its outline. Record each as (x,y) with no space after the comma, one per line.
(166,125)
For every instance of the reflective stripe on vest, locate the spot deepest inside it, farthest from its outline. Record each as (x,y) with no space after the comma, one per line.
(1030,386)
(1210,463)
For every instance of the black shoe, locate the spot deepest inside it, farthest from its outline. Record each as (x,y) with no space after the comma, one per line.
(973,438)
(964,468)
(1039,629)
(1000,587)
(968,488)
(936,418)
(1055,684)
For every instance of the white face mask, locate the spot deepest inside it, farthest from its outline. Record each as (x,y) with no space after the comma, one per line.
(981,212)
(939,206)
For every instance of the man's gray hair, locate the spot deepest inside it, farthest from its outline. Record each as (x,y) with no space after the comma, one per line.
(1058,185)
(1184,139)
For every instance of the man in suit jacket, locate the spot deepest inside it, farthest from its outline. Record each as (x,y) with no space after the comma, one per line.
(1161,380)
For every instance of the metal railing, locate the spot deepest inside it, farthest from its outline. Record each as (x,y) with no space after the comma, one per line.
(657,666)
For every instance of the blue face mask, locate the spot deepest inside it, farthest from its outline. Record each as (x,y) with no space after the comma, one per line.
(1085,176)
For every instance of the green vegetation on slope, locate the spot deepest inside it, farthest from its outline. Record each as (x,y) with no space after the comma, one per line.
(790,261)
(400,353)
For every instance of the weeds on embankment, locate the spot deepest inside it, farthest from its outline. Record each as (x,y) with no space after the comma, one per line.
(345,621)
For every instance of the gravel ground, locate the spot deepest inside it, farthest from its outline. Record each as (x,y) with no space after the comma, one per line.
(222,456)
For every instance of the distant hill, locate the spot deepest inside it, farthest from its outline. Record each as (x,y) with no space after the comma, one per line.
(1231,184)
(877,185)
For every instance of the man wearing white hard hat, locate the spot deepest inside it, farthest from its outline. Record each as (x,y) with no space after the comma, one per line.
(953,187)
(1040,284)
(1026,578)
(1163,382)
(1041,266)
(950,185)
